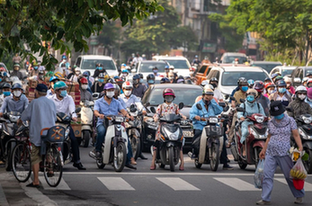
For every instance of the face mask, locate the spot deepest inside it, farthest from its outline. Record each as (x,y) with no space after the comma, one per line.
(244,88)
(155,71)
(127,93)
(101,80)
(302,96)
(214,85)
(77,73)
(110,94)
(63,93)
(84,87)
(150,81)
(282,90)
(17,93)
(271,91)
(0,79)
(100,68)
(35,68)
(6,93)
(124,74)
(250,98)
(141,81)
(279,116)
(168,99)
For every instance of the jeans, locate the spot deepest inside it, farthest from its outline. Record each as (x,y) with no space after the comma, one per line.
(100,138)
(195,145)
(129,154)
(74,146)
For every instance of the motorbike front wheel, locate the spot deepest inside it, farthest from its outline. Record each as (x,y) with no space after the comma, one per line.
(171,158)
(86,138)
(136,146)
(120,157)
(215,157)
(8,159)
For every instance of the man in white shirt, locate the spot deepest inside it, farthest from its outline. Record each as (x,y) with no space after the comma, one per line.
(136,59)
(216,92)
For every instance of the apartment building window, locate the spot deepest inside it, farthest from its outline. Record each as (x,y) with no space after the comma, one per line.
(206,5)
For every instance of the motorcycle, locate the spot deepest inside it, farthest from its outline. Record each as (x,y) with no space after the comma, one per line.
(114,149)
(133,129)
(8,126)
(210,141)
(86,122)
(171,140)
(258,132)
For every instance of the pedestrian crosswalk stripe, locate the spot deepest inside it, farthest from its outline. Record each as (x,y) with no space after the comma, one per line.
(62,186)
(307,186)
(115,183)
(237,184)
(177,183)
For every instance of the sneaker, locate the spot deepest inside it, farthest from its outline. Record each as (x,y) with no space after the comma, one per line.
(192,155)
(262,202)
(298,200)
(227,167)
(95,155)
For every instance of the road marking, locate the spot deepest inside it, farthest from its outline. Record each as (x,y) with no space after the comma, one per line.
(3,200)
(115,183)
(307,186)
(62,186)
(177,183)
(237,184)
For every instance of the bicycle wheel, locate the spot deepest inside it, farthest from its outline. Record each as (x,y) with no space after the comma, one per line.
(21,162)
(53,166)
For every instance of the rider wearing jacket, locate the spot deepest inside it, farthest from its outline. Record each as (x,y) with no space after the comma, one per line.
(299,106)
(264,101)
(241,93)
(281,94)
(250,107)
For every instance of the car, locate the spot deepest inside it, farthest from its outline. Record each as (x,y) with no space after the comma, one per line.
(266,65)
(185,93)
(146,66)
(180,63)
(299,73)
(88,62)
(228,75)
(201,73)
(229,57)
(283,70)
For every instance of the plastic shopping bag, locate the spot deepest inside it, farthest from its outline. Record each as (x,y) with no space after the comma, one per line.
(258,177)
(298,173)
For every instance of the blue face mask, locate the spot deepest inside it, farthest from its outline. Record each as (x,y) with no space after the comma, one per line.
(63,93)
(244,88)
(100,68)
(279,116)
(7,93)
(250,98)
(101,80)
(0,79)
(155,71)
(35,68)
(141,81)
(151,81)
(282,90)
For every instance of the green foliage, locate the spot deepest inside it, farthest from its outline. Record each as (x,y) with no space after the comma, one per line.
(28,23)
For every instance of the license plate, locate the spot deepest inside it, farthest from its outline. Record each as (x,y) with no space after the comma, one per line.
(188,133)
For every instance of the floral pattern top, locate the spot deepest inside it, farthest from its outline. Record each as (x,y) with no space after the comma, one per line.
(164,108)
(279,143)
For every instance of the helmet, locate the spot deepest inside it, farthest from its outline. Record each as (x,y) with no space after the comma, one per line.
(213,79)
(309,80)
(168,92)
(309,73)
(171,67)
(259,86)
(127,85)
(49,74)
(106,77)
(154,68)
(112,81)
(188,81)
(41,72)
(252,91)
(180,77)
(117,88)
(242,81)
(108,86)
(208,91)
(208,86)
(309,93)
(164,80)
(287,79)
(268,85)
(204,83)
(150,76)
(196,56)
(86,74)
(6,85)
(141,75)
(281,83)
(166,67)
(125,71)
(59,85)
(305,79)
(64,56)
(101,75)
(250,82)
(83,81)
(17,86)
(136,76)
(53,79)
(274,75)
(59,75)
(123,65)
(301,89)
(267,79)
(278,78)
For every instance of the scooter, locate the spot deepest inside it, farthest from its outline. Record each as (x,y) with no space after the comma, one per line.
(258,132)
(114,149)
(86,122)
(211,142)
(134,129)
(171,140)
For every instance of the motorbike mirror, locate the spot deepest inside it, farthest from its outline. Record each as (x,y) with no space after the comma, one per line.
(226,96)
(78,110)
(289,109)
(232,98)
(242,100)
(153,109)
(147,104)
(199,107)
(226,108)
(222,104)
(181,105)
(239,109)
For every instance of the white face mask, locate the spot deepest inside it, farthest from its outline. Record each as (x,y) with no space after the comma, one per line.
(84,87)
(110,94)
(17,93)
(127,93)
(302,96)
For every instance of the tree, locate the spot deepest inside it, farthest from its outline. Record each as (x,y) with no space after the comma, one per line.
(61,22)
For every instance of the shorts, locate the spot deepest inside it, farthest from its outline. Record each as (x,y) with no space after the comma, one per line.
(35,154)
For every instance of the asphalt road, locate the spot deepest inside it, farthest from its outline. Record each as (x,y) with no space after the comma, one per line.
(145,187)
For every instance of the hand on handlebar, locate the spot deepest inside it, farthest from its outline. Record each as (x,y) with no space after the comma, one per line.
(101,116)
(74,119)
(242,118)
(197,118)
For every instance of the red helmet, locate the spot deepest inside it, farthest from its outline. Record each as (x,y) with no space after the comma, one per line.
(83,81)
(168,92)
(268,85)
(259,86)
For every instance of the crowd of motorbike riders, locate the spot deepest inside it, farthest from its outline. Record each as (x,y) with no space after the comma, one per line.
(118,93)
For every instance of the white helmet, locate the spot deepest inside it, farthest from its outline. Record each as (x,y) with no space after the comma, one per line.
(287,79)
(301,89)
(204,83)
(127,85)
(208,86)
(171,67)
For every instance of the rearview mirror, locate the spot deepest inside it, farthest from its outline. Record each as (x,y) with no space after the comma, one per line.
(147,104)
(95,95)
(289,109)
(232,98)
(222,104)
(242,100)
(226,96)
(181,105)
(153,110)
(199,107)
(78,110)
(226,108)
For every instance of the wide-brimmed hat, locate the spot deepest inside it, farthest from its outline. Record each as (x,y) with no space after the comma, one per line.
(276,108)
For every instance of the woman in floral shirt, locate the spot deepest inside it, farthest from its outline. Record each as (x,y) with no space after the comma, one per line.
(166,108)
(275,151)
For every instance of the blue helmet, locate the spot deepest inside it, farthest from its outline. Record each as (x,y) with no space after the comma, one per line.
(164,80)
(17,86)
(125,71)
(53,78)
(166,67)
(123,65)
(251,82)
(136,76)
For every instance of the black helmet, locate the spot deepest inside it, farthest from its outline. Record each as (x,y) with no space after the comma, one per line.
(242,81)
(150,76)
(213,79)
(188,81)
(136,76)
(164,80)
(111,80)
(141,75)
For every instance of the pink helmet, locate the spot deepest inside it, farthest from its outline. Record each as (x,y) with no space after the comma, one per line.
(309,93)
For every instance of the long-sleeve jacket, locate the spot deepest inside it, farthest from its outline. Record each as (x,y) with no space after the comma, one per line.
(298,108)
(250,108)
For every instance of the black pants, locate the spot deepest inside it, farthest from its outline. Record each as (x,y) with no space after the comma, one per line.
(223,157)
(74,146)
(196,141)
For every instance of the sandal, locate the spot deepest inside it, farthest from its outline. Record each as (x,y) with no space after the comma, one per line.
(153,167)
(32,185)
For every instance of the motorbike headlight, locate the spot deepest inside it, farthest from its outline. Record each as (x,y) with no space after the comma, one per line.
(152,126)
(307,120)
(259,119)
(119,119)
(213,120)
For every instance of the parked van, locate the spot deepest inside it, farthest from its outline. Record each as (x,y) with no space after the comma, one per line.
(180,63)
